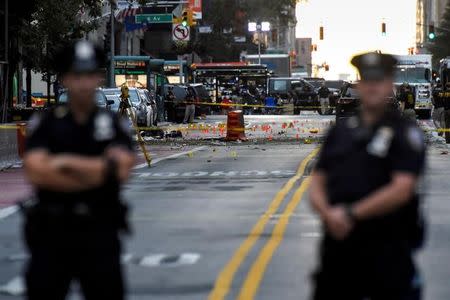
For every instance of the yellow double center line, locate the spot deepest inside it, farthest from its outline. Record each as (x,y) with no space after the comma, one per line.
(254,277)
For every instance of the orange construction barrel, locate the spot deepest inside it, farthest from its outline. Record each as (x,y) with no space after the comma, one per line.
(235,126)
(21,135)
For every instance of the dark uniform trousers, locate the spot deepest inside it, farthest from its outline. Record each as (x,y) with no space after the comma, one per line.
(375,271)
(72,249)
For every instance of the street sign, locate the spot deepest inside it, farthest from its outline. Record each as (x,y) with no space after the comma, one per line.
(181,33)
(154,18)
(196,8)
(205,29)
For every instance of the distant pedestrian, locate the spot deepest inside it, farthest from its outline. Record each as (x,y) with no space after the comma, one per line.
(77,157)
(170,105)
(438,115)
(364,189)
(189,113)
(125,105)
(444,96)
(160,105)
(407,100)
(324,98)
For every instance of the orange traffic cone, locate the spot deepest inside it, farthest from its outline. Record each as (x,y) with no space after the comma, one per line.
(235,126)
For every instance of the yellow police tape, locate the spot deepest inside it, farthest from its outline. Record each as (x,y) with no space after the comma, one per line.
(227,105)
(200,127)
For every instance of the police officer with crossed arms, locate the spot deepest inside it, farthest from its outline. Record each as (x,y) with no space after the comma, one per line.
(364,190)
(77,156)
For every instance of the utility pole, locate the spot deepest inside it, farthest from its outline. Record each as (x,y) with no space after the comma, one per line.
(5,77)
(112,3)
(181,72)
(6,30)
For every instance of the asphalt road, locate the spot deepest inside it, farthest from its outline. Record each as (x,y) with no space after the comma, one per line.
(270,127)
(233,222)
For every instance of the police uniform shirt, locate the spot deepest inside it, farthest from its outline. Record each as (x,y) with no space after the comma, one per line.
(57,132)
(358,160)
(444,97)
(437,101)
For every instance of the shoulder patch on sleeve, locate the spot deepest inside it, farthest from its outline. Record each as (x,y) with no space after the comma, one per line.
(415,138)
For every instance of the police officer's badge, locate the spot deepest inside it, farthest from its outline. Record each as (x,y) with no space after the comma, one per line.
(84,50)
(415,138)
(381,142)
(103,127)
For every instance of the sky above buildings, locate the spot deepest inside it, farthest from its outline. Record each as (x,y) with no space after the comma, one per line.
(354,26)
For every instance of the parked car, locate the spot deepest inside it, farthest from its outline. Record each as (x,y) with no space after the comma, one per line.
(201,96)
(152,109)
(116,105)
(305,98)
(175,110)
(100,98)
(335,87)
(303,94)
(114,95)
(349,103)
(284,86)
(140,107)
(316,82)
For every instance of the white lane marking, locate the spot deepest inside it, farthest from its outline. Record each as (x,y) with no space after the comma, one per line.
(188,258)
(259,173)
(223,174)
(152,260)
(6,212)
(15,287)
(195,174)
(311,235)
(126,258)
(18,257)
(157,160)
(165,260)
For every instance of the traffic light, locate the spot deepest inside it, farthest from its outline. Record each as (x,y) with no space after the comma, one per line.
(185,18)
(321,33)
(313,47)
(431,32)
(326,67)
(383,28)
(411,50)
(191,19)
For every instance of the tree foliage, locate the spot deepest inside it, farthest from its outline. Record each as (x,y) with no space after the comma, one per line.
(225,15)
(52,24)
(440,47)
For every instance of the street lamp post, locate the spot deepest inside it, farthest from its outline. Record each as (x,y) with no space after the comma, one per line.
(258,28)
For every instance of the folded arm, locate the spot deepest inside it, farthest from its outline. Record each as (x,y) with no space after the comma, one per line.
(68,172)
(388,198)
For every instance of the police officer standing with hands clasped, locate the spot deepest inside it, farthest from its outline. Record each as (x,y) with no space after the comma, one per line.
(364,190)
(77,156)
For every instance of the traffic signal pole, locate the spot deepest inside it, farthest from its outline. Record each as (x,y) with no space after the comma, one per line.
(112,50)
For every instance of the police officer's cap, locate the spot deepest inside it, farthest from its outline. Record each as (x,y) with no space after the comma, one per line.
(374,65)
(80,57)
